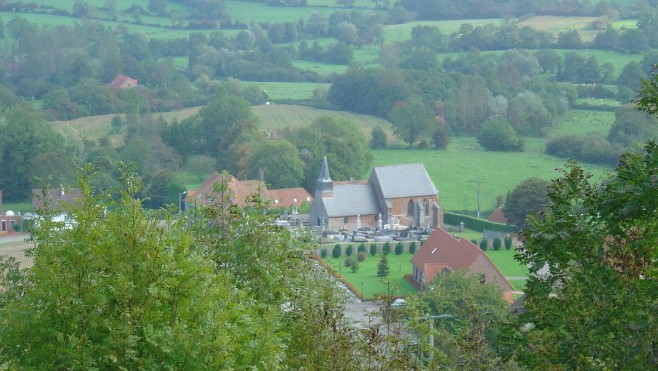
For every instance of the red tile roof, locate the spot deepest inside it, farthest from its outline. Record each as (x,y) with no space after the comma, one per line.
(442,250)
(287,197)
(497,216)
(123,82)
(240,190)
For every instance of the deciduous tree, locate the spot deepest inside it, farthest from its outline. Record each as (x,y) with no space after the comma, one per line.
(527,198)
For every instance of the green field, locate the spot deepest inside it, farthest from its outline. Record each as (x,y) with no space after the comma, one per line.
(581,122)
(458,171)
(288,90)
(394,284)
(402,32)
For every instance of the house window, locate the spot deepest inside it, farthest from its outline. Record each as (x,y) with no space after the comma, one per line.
(4,225)
(410,208)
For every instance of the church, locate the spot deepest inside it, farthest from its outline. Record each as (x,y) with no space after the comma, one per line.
(393,197)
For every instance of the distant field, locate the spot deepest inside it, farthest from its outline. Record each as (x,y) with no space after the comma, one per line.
(279,116)
(401,32)
(457,172)
(580,122)
(289,90)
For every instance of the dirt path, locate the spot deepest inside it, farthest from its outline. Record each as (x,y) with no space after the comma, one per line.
(15,246)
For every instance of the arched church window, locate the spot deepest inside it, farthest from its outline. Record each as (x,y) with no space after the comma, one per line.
(410,208)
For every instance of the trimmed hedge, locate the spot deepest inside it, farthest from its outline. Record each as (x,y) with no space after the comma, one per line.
(476,224)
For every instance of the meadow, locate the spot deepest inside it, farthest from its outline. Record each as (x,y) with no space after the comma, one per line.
(465,174)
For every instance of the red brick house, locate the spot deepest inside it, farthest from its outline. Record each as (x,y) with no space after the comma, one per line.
(123,82)
(444,253)
(8,219)
(397,196)
(238,191)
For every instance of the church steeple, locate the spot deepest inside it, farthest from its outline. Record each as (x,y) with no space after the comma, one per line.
(324,186)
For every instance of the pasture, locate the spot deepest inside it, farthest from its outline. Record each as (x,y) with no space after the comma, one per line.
(463,173)
(290,90)
(582,122)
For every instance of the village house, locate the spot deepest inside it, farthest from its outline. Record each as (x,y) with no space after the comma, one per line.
(56,197)
(443,253)
(289,197)
(237,191)
(395,197)
(123,82)
(8,220)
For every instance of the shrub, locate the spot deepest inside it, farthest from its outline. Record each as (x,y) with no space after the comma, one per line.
(348,262)
(373,249)
(361,256)
(382,267)
(362,247)
(484,245)
(355,266)
(496,243)
(323,253)
(336,252)
(508,243)
(412,247)
(399,248)
(348,250)
(475,223)
(386,249)
(475,242)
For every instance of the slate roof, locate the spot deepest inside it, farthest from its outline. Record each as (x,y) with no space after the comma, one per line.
(286,197)
(351,199)
(405,180)
(56,195)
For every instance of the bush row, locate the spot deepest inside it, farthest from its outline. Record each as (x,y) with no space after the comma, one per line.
(474,223)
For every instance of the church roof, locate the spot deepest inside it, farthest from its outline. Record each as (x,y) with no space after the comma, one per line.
(405,180)
(351,199)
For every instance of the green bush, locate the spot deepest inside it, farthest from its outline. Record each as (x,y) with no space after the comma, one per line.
(362,247)
(361,256)
(399,248)
(475,223)
(412,247)
(323,253)
(382,267)
(336,252)
(348,262)
(348,250)
(386,249)
(484,244)
(508,243)
(355,266)
(373,249)
(475,242)
(497,243)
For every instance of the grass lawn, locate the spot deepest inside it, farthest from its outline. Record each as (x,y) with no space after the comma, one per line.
(457,171)
(367,274)
(581,122)
(505,262)
(17,207)
(288,90)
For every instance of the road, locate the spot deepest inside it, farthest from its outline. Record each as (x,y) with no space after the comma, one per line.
(15,246)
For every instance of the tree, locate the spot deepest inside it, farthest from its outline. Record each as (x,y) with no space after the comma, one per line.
(378,139)
(280,161)
(467,315)
(382,267)
(528,198)
(498,135)
(412,120)
(200,165)
(158,7)
(596,243)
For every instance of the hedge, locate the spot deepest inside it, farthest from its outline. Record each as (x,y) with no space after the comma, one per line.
(475,224)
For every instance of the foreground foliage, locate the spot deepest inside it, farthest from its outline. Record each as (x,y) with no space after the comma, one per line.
(220,288)
(593,257)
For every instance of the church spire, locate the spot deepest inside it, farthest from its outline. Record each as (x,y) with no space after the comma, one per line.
(324,186)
